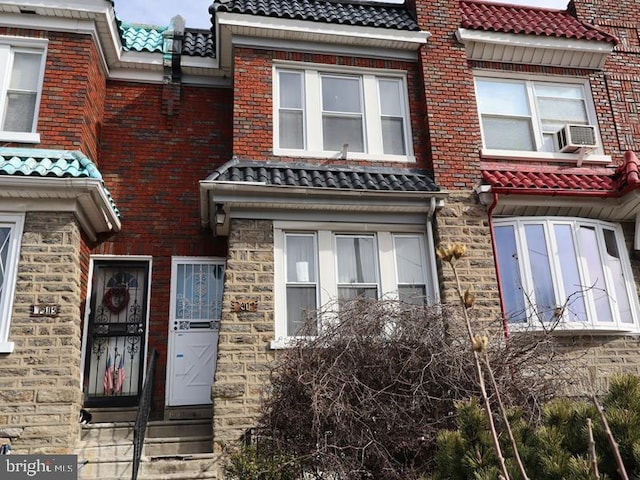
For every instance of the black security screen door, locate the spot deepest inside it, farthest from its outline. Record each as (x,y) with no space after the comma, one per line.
(116,333)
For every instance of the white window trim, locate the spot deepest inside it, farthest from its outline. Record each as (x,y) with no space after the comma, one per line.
(591,324)
(8,45)
(16,223)
(313,119)
(596,157)
(327,290)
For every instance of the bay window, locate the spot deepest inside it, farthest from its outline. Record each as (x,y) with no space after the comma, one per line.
(567,272)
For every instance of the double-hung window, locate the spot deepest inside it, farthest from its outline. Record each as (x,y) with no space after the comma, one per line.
(524,115)
(317,268)
(360,114)
(10,237)
(565,272)
(21,74)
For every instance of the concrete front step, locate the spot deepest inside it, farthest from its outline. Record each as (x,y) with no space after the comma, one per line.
(93,451)
(177,445)
(113,415)
(179,428)
(186,467)
(172,466)
(106,432)
(180,449)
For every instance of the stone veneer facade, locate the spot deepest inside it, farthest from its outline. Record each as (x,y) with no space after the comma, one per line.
(244,352)
(40,394)
(464,220)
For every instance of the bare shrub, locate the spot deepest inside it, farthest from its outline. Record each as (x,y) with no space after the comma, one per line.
(368,395)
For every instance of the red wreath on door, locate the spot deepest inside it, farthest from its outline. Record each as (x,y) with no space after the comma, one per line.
(116,299)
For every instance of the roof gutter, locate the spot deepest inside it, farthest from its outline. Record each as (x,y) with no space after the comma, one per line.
(85,197)
(261,196)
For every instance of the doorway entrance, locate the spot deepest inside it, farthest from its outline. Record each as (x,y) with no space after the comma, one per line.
(196,305)
(116,333)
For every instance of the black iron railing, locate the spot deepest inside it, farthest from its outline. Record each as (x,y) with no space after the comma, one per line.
(142,418)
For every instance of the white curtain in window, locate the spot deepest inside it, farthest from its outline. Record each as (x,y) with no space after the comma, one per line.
(301,284)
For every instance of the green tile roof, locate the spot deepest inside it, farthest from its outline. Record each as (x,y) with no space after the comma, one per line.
(34,162)
(141,38)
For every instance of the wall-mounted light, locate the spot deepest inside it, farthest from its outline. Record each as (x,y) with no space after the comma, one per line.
(221,215)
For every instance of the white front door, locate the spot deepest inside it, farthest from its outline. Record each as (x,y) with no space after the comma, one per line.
(193,361)
(196,304)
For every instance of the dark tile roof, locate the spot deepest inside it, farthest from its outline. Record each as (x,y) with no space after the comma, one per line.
(331,176)
(198,43)
(346,12)
(494,17)
(601,182)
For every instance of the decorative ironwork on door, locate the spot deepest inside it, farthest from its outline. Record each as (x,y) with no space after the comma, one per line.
(116,333)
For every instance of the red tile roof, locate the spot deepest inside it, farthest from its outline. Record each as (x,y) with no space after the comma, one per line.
(494,17)
(552,180)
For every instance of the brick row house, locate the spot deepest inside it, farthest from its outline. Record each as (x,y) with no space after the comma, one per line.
(196,192)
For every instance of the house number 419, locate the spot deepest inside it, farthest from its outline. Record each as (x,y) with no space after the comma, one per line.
(244,306)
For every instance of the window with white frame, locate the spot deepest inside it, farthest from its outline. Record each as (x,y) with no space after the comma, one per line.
(10,237)
(314,268)
(327,112)
(565,272)
(22,63)
(524,115)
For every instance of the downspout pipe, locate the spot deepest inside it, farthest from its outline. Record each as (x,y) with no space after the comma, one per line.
(505,324)
(435,294)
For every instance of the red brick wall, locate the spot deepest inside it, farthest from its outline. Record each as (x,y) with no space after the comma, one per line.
(72,102)
(253,103)
(152,164)
(451,107)
(451,113)
(73,95)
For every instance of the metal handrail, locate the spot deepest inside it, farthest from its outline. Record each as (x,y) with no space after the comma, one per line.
(143,414)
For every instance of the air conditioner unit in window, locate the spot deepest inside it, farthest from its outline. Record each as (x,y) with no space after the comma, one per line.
(573,138)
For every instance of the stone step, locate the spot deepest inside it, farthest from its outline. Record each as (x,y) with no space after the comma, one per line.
(95,450)
(104,468)
(188,412)
(186,467)
(179,428)
(178,445)
(173,466)
(113,415)
(107,432)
